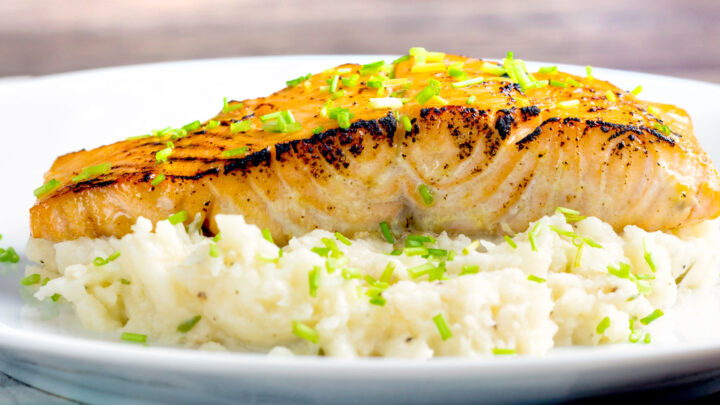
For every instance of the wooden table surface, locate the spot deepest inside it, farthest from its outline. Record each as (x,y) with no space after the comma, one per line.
(671,37)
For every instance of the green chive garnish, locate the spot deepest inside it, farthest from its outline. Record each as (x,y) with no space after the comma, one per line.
(442,327)
(387,274)
(536,279)
(385,229)
(212,124)
(468,82)
(214,250)
(46,188)
(432,89)
(548,69)
(511,242)
(228,108)
(30,280)
(371,68)
(192,126)
(588,70)
(235,152)
(405,120)
(470,269)
(602,326)
(55,297)
(636,90)
(163,154)
(96,170)
(653,316)
(503,352)
(421,270)
(317,130)
(9,256)
(343,239)
(295,82)
(159,178)
(314,280)
(267,235)
(557,83)
(178,217)
(471,100)
(426,194)
(240,126)
(133,337)
(305,332)
(189,324)
(649,258)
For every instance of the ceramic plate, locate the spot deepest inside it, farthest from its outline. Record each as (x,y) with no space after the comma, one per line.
(48,116)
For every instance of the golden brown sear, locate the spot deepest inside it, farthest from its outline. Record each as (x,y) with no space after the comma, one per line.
(491,156)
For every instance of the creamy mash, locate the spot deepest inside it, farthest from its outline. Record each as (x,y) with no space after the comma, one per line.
(559,283)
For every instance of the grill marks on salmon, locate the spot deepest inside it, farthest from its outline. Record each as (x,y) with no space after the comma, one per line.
(493,166)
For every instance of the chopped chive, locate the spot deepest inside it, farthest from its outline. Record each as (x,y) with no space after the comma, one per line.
(568,103)
(469,269)
(432,89)
(610,96)
(437,252)
(99,261)
(396,252)
(229,108)
(378,300)
(649,258)
(240,126)
(343,239)
(426,194)
(401,59)
(96,170)
(178,217)
(439,100)
(192,126)
(531,239)
(422,238)
(471,100)
(334,263)
(31,279)
(295,82)
(636,90)
(455,70)
(556,83)
(125,281)
(330,244)
(511,242)
(451,255)
(317,130)
(349,273)
(573,82)
(46,188)
(133,337)
(385,102)
(235,152)
(535,278)
(351,81)
(653,110)
(602,326)
(305,332)
(653,316)
(371,68)
(415,251)
(570,215)
(334,84)
(471,247)
(437,273)
(405,120)
(503,352)
(267,235)
(159,178)
(9,256)
(55,297)
(212,124)
(562,232)
(270,116)
(623,271)
(376,82)
(163,154)
(548,69)
(214,251)
(578,254)
(493,69)
(343,119)
(662,128)
(421,270)
(321,251)
(468,82)
(442,327)
(428,68)
(45,281)
(588,71)
(590,242)
(314,280)
(189,324)
(387,274)
(113,256)
(385,229)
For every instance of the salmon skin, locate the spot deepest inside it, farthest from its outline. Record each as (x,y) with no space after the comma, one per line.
(365,144)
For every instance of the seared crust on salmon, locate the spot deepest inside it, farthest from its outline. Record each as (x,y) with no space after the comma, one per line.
(493,156)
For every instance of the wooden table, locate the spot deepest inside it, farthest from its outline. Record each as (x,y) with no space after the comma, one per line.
(671,37)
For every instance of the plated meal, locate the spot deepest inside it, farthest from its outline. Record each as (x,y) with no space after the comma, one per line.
(435,205)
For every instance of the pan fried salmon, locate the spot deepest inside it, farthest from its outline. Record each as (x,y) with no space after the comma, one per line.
(430,142)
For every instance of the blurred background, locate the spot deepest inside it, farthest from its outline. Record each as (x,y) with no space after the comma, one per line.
(672,37)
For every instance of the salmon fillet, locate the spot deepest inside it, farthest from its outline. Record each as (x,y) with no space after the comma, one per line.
(489,157)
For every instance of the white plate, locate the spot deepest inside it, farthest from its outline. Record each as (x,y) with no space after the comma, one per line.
(48,116)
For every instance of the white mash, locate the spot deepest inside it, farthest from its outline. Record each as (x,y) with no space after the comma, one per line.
(520,300)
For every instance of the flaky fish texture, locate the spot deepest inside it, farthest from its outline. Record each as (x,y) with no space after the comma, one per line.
(493,158)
